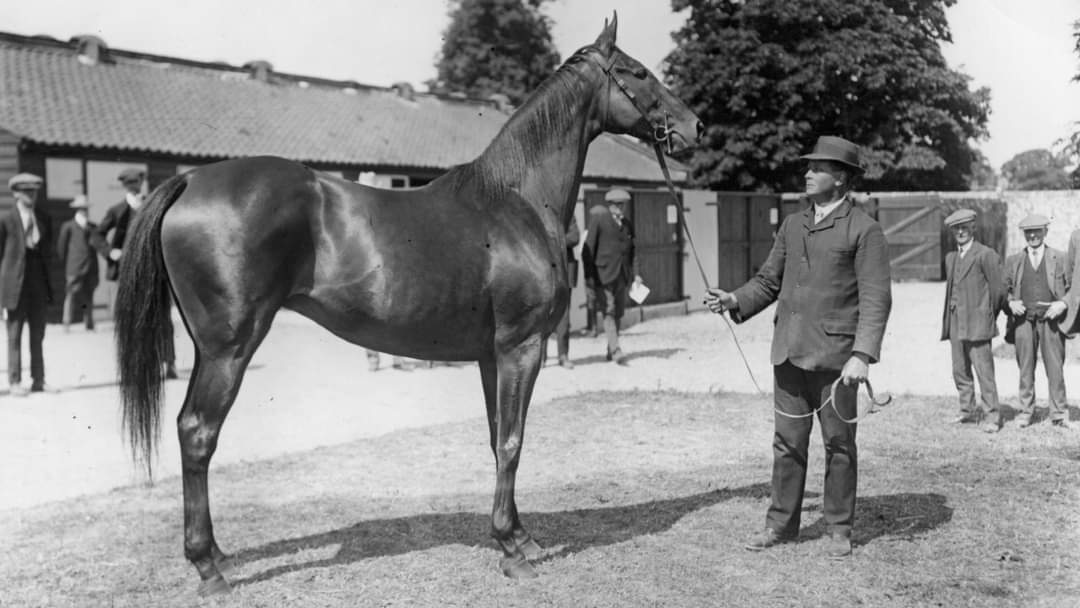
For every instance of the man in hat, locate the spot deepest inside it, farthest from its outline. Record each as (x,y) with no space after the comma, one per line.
(828,272)
(1071,323)
(611,243)
(74,247)
(117,221)
(1037,287)
(562,330)
(974,294)
(26,245)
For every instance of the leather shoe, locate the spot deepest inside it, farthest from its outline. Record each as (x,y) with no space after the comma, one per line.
(42,388)
(963,419)
(565,361)
(1061,423)
(18,390)
(990,427)
(838,546)
(618,357)
(765,539)
(1023,421)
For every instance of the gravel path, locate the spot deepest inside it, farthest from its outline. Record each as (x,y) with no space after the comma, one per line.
(306,388)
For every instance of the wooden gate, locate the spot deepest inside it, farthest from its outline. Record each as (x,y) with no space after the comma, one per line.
(912,226)
(657,240)
(745,227)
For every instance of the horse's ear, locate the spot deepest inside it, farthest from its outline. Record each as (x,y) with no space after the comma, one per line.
(606,41)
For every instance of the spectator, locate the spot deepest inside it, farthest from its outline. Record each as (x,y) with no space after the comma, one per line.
(117,220)
(828,272)
(611,243)
(1038,284)
(373,361)
(76,252)
(26,244)
(562,330)
(974,294)
(1072,299)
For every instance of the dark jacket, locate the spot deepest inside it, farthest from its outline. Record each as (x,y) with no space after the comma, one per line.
(831,283)
(75,249)
(573,237)
(611,246)
(14,270)
(116,219)
(979,285)
(1057,279)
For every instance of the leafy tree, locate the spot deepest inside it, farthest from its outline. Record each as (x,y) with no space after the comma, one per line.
(1036,170)
(768,76)
(495,46)
(983,176)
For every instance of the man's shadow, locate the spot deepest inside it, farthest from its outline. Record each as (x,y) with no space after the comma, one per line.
(570,531)
(658,353)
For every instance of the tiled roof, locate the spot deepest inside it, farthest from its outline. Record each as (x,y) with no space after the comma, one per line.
(165,105)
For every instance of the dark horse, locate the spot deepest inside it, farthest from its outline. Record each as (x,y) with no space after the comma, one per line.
(470,267)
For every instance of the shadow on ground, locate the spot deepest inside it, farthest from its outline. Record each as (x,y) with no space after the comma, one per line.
(655,353)
(575,531)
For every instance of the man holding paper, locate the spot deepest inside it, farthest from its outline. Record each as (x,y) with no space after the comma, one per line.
(611,241)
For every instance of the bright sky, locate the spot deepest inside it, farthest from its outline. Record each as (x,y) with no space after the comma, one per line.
(1022,53)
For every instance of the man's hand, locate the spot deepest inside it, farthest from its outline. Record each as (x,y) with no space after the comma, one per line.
(637,278)
(114,254)
(1055,309)
(1017,307)
(719,300)
(855,370)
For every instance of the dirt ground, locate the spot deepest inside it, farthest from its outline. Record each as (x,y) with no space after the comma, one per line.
(308,389)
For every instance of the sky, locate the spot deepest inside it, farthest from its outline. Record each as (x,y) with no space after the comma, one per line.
(1022,53)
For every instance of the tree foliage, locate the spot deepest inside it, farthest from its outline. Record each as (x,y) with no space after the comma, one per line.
(495,46)
(768,76)
(1036,170)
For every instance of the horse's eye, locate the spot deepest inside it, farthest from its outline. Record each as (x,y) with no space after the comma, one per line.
(641,73)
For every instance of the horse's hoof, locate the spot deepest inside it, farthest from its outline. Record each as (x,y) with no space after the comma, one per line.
(517,567)
(529,548)
(216,585)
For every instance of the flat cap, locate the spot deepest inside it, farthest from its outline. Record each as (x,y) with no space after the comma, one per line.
(1034,220)
(79,202)
(23,180)
(131,173)
(960,216)
(617,195)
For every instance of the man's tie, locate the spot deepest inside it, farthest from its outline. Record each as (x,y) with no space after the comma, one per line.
(32,235)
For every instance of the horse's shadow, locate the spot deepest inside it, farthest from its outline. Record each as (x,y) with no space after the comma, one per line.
(572,531)
(658,353)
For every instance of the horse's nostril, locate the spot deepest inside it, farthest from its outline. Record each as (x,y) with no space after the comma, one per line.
(700,129)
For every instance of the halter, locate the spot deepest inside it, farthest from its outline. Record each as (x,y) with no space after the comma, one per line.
(661,131)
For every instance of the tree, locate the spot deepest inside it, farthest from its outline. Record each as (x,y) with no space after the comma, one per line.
(1036,170)
(768,76)
(495,46)
(983,176)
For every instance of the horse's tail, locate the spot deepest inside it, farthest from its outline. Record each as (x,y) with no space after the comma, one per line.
(142,325)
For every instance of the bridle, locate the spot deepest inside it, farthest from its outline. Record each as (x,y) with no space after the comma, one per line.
(661,131)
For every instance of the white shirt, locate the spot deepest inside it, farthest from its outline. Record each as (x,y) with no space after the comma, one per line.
(81,220)
(965,248)
(133,200)
(30,227)
(822,211)
(1036,255)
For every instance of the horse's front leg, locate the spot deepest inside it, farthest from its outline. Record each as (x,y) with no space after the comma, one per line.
(515,371)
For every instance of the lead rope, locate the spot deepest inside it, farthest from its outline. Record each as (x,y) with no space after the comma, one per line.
(874,401)
(697,258)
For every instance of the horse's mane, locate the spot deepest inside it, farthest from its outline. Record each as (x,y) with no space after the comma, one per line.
(522,141)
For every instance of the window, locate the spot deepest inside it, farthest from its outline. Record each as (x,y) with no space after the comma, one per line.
(63,178)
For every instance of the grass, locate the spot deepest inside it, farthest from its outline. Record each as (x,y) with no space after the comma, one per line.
(640,498)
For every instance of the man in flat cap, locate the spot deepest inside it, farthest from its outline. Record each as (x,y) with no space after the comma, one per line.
(76,252)
(1037,285)
(828,272)
(116,222)
(26,244)
(611,243)
(1071,324)
(974,294)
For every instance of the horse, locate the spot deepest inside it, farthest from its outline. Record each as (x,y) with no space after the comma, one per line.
(470,267)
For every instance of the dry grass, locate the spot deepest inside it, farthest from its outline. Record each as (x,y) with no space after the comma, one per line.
(642,499)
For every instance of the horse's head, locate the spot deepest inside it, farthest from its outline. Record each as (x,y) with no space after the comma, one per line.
(635,102)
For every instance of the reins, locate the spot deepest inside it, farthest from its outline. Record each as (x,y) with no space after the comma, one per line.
(874,402)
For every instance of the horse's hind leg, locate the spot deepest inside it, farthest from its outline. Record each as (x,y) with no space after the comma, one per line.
(508,384)
(211,393)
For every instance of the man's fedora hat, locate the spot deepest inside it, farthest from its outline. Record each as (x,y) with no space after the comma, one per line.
(836,149)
